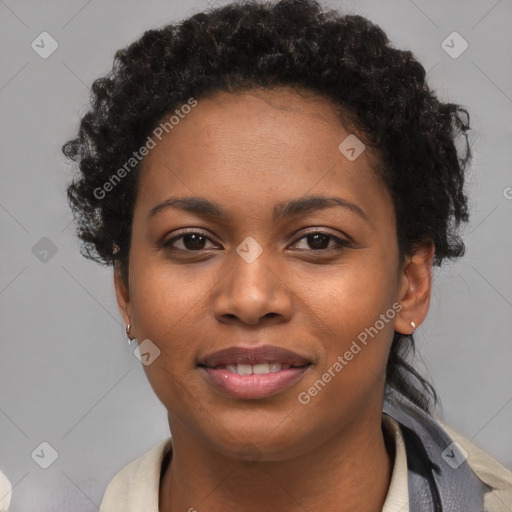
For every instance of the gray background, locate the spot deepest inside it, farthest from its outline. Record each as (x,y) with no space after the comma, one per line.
(67,375)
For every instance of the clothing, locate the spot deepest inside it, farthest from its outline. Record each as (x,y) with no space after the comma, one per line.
(136,486)
(446,472)
(5,492)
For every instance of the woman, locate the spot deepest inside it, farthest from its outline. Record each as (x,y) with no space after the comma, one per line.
(273,184)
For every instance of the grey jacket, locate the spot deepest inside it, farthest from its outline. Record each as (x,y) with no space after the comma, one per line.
(440,478)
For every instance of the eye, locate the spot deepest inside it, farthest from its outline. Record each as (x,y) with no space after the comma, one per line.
(190,241)
(319,241)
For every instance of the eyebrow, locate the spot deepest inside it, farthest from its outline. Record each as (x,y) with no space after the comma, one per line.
(286,209)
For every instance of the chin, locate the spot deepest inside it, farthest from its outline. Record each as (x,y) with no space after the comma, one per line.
(247,436)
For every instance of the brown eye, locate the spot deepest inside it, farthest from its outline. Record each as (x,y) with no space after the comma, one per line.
(318,241)
(189,241)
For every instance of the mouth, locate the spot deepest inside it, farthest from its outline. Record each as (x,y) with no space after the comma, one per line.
(253,373)
(260,368)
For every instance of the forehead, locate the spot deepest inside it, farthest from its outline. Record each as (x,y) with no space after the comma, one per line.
(256,143)
(267,122)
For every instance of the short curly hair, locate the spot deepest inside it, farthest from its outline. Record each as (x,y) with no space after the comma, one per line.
(380,90)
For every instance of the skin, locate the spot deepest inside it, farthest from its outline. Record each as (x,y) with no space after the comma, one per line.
(248,151)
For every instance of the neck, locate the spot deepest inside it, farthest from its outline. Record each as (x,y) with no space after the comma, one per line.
(350,470)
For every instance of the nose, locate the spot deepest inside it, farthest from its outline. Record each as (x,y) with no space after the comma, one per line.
(251,293)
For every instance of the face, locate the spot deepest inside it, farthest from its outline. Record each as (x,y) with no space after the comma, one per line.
(310,279)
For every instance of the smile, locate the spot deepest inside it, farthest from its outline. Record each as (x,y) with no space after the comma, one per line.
(254,369)
(253,372)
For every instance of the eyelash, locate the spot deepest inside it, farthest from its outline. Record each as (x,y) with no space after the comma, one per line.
(341,243)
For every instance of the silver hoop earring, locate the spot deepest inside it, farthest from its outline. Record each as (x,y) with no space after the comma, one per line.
(128,334)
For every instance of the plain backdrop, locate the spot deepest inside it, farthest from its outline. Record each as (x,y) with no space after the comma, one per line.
(67,375)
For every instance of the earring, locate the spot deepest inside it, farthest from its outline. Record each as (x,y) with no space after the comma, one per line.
(128,334)
(413,325)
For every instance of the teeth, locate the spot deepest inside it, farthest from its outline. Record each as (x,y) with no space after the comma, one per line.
(261,368)
(257,369)
(244,369)
(275,367)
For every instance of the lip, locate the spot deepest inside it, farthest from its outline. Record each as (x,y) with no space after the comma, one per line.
(253,355)
(253,386)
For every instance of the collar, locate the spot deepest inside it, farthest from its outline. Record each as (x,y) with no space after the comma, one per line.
(397,499)
(136,487)
(440,477)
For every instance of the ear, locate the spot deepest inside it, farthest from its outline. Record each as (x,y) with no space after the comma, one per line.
(123,297)
(415,288)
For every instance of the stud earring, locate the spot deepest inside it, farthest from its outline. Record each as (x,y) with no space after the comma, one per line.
(413,325)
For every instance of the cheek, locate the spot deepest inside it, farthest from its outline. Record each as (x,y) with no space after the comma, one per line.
(168,308)
(348,305)
(163,297)
(351,297)
(350,372)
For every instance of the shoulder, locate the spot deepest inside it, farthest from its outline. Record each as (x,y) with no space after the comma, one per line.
(488,470)
(136,486)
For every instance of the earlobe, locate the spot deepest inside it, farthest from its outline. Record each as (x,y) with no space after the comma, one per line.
(415,288)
